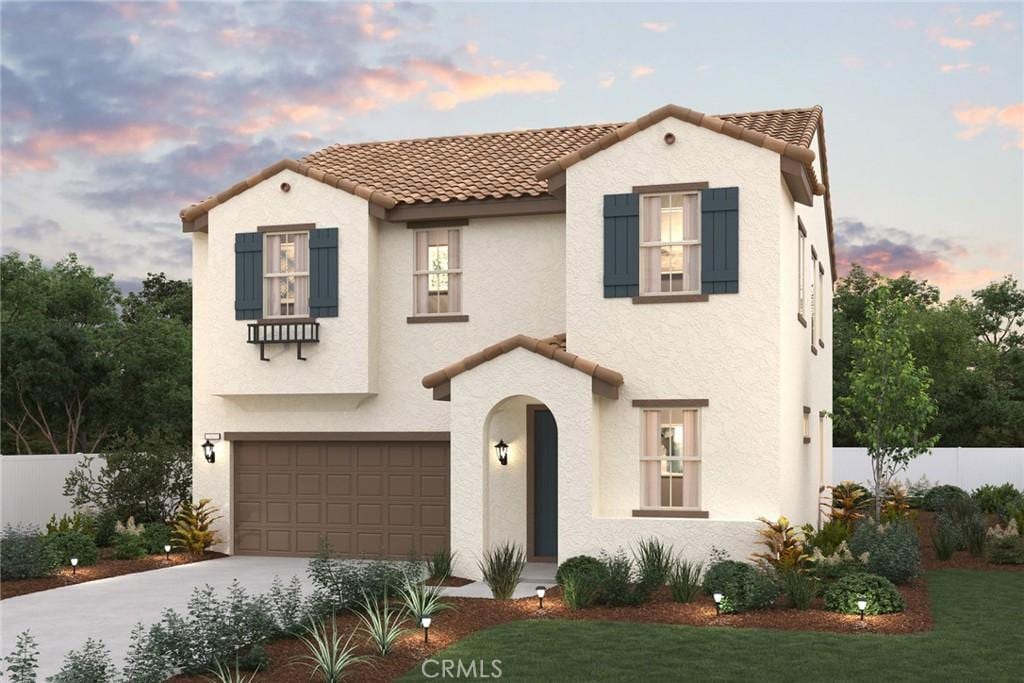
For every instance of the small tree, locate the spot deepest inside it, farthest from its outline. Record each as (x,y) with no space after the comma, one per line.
(888,408)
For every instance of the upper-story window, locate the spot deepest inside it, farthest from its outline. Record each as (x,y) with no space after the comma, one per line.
(286,275)
(802,270)
(815,295)
(670,243)
(820,287)
(670,460)
(438,273)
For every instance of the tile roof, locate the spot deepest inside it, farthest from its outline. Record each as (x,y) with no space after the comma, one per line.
(509,164)
(552,347)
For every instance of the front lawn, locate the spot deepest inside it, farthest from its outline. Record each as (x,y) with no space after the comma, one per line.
(977,636)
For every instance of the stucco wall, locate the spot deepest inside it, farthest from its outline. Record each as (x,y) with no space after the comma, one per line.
(512,284)
(725,350)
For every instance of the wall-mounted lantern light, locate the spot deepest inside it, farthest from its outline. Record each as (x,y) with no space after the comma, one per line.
(211,456)
(501,448)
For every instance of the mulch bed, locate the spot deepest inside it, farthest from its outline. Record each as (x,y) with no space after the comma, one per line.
(103,569)
(474,614)
(449,582)
(961,558)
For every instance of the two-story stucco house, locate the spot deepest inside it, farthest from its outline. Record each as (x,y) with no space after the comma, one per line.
(570,338)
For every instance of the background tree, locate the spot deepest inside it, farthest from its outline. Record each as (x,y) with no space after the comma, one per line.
(888,408)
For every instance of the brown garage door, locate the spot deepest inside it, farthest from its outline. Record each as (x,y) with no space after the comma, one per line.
(372,499)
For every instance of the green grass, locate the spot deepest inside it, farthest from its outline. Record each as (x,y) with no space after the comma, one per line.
(978,635)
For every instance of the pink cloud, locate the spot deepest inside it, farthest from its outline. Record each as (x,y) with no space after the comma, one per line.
(1013,117)
(641,71)
(658,26)
(605,79)
(984,20)
(977,120)
(464,86)
(939,36)
(950,68)
(38,152)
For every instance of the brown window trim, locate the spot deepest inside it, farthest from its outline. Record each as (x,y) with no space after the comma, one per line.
(801,319)
(671,187)
(669,298)
(670,403)
(821,269)
(442,223)
(807,410)
(821,343)
(294,227)
(814,254)
(686,514)
(278,321)
(800,226)
(814,349)
(337,436)
(417,319)
(807,439)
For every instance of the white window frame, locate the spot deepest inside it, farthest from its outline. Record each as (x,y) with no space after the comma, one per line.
(699,459)
(682,243)
(268,277)
(820,289)
(802,268)
(428,272)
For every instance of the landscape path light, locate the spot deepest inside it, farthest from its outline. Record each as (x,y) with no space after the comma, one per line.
(541,590)
(862,605)
(74,566)
(718,603)
(425,623)
(167,552)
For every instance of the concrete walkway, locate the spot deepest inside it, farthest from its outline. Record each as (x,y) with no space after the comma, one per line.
(61,619)
(535,574)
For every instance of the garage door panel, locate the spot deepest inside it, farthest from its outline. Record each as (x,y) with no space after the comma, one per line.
(368,500)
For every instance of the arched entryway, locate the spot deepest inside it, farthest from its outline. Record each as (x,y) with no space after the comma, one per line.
(522,493)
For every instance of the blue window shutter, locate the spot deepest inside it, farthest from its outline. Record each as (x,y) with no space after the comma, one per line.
(248,275)
(621,245)
(323,273)
(720,240)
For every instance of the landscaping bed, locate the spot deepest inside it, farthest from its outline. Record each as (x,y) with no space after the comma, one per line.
(449,582)
(103,569)
(926,523)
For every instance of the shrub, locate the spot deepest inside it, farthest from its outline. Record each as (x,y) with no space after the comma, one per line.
(146,478)
(82,522)
(653,561)
(155,536)
(893,550)
(326,655)
(622,586)
(839,563)
(91,664)
(439,565)
(575,564)
(1005,546)
(849,502)
(144,663)
(25,554)
(381,623)
(68,544)
(800,587)
(974,535)
(945,539)
(882,597)
(23,661)
(193,530)
(743,586)
(684,580)
(287,606)
(897,503)
(827,539)
(785,548)
(340,585)
(128,546)
(937,496)
(106,527)
(916,490)
(582,579)
(992,499)
(501,567)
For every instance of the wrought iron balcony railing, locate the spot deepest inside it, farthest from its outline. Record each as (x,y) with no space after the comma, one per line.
(296,332)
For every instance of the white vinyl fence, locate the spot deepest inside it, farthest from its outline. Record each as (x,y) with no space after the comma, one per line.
(967,468)
(32,487)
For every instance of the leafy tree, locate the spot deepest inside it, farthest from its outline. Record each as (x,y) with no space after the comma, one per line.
(888,407)
(160,297)
(58,331)
(1000,313)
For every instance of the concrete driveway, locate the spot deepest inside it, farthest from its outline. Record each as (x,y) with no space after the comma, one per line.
(61,619)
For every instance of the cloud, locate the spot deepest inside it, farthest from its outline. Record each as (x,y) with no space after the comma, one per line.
(892,252)
(984,20)
(459,86)
(939,36)
(605,79)
(641,71)
(37,152)
(950,68)
(852,61)
(977,120)
(658,26)
(34,229)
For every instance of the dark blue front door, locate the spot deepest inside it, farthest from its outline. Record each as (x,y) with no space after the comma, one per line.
(545,484)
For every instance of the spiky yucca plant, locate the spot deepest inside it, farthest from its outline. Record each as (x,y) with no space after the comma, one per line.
(501,568)
(222,673)
(326,655)
(192,528)
(421,600)
(381,622)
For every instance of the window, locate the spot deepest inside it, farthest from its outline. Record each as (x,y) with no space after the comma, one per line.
(820,289)
(802,269)
(670,243)
(814,297)
(438,272)
(670,459)
(286,275)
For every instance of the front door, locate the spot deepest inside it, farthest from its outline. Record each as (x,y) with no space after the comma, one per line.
(544,484)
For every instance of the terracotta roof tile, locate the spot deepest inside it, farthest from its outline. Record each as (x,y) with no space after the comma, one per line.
(552,347)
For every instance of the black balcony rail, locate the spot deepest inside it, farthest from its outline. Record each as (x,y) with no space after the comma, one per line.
(296,332)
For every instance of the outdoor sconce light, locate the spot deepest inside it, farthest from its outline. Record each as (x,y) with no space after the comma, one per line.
(862,605)
(425,623)
(501,448)
(167,552)
(208,452)
(718,604)
(74,566)
(541,590)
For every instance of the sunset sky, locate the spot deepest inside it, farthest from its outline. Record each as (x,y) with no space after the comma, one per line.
(115,116)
